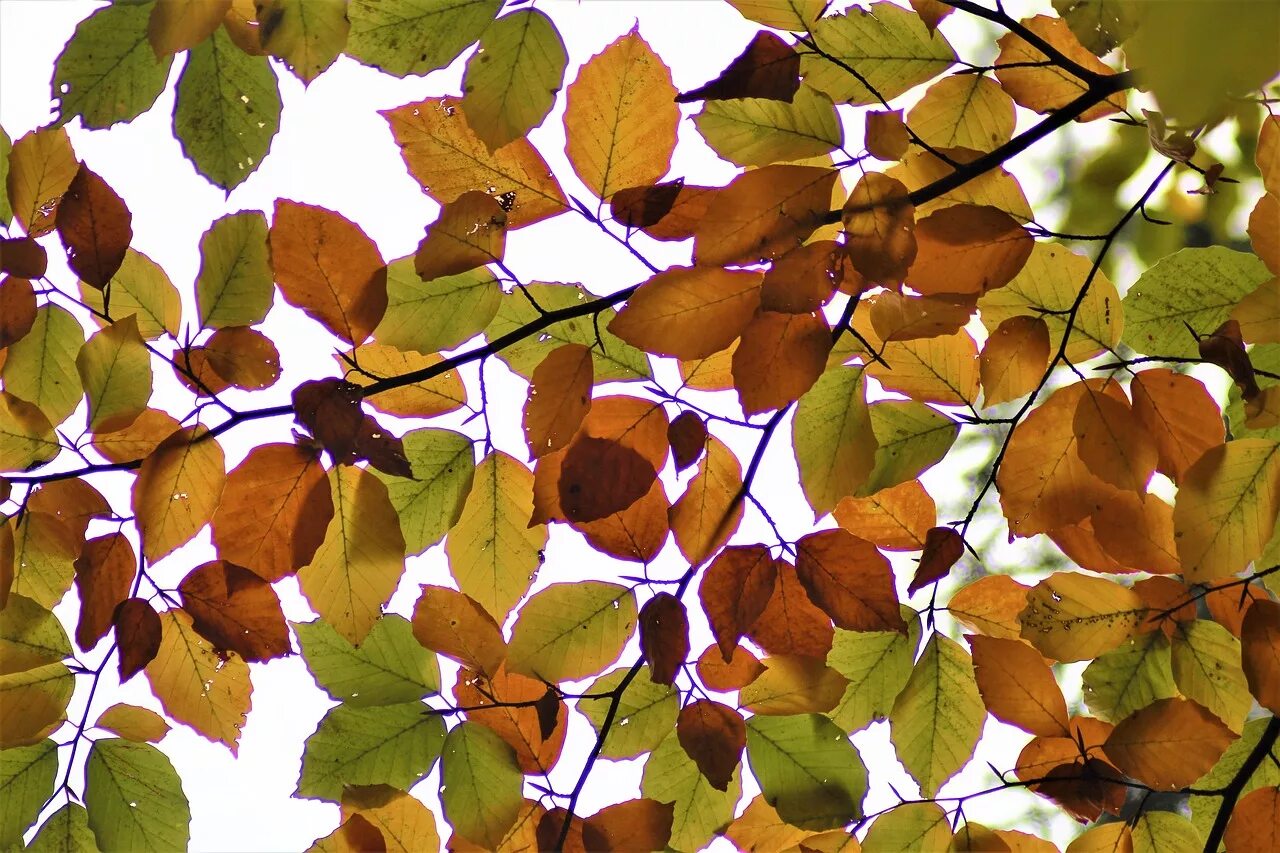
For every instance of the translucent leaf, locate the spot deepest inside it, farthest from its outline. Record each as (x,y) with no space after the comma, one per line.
(762,214)
(44,553)
(17,309)
(65,831)
(115,368)
(41,368)
(559,398)
(177,490)
(968,249)
(182,25)
(941,369)
(644,823)
(443,464)
(1045,88)
(1260,638)
(910,826)
(392,745)
(709,511)
(876,665)
(1253,821)
(793,684)
(388,668)
(33,704)
(235,610)
(6,147)
(428,398)
(759,131)
(807,770)
(671,776)
(480,784)
(996,188)
(142,288)
(849,579)
(30,636)
(1112,442)
(95,226)
(1018,686)
(235,286)
(27,438)
(689,312)
(1129,677)
(26,776)
(1206,670)
(438,314)
(791,624)
(835,445)
(404,37)
(734,591)
(455,625)
(1072,616)
(714,736)
(307,36)
(135,797)
(138,634)
(569,631)
(470,232)
(499,704)
(105,572)
(40,168)
(1169,744)
(243,357)
(645,715)
(964,111)
(1014,359)
(779,358)
(133,723)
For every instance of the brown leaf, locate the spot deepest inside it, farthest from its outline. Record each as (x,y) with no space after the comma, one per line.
(687,435)
(763,213)
(328,267)
(850,580)
(637,533)
(1225,348)
(139,439)
(1085,788)
(734,591)
(22,257)
(713,735)
(458,627)
(548,708)
(879,224)
(689,312)
(677,223)
(105,571)
(742,669)
(778,358)
(1137,532)
(895,519)
(191,366)
(1228,606)
(1161,594)
(470,232)
(1018,687)
(95,226)
(1169,744)
(383,450)
(600,476)
(943,548)
(330,410)
(641,207)
(235,610)
(550,826)
(968,248)
(664,637)
(536,732)
(73,502)
(17,309)
(1112,442)
(559,398)
(886,137)
(768,68)
(791,623)
(1180,418)
(1255,821)
(931,12)
(1260,653)
(243,357)
(359,834)
(138,635)
(804,279)
(642,824)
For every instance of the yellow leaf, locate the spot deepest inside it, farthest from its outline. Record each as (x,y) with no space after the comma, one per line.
(708,512)
(33,703)
(909,827)
(1112,442)
(358,565)
(990,605)
(1259,314)
(1018,687)
(689,312)
(198,686)
(426,399)
(139,439)
(115,368)
(996,188)
(1071,616)
(942,369)
(177,490)
(794,15)
(44,552)
(760,131)
(307,35)
(1013,360)
(620,117)
(41,166)
(1207,669)
(793,684)
(760,829)
(1104,838)
(179,25)
(407,825)
(470,232)
(964,111)
(26,436)
(41,367)
(1049,87)
(133,722)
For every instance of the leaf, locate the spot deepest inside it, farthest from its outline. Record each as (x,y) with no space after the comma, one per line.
(1254,820)
(689,312)
(879,223)
(1129,677)
(95,226)
(404,822)
(175,27)
(779,357)
(392,745)
(133,723)
(358,565)
(964,111)
(30,636)
(27,439)
(767,68)
(44,553)
(876,665)
(1263,224)
(499,704)
(27,775)
(388,668)
(236,610)
(646,712)
(439,395)
(438,314)
(403,37)
(834,442)
(1169,744)
(470,232)
(17,309)
(968,249)
(1206,661)
(687,435)
(139,634)
(759,829)
(713,735)
(306,36)
(511,83)
(330,410)
(734,591)
(1112,442)
(1014,359)
(115,369)
(105,572)
(910,826)
(895,519)
(710,510)
(671,776)
(587,492)
(235,285)
(762,214)
(559,398)
(480,784)
(1018,687)
(1072,617)
(227,111)
(803,279)
(243,357)
(142,288)
(849,579)
(40,168)
(888,48)
(329,268)
(793,684)
(715,674)
(65,830)
(196,685)
(493,552)
(664,637)
(1258,312)
(1260,652)
(641,824)
(807,770)
(757,131)
(134,797)
(108,72)
(456,626)
(428,505)
(6,148)
(791,624)
(178,490)
(41,368)
(904,318)
(937,718)
(567,632)
(1048,87)
(887,137)
(33,704)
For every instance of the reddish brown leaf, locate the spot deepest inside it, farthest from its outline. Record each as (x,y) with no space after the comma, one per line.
(600,476)
(1225,348)
(634,825)
(1168,602)
(804,279)
(1255,822)
(1228,605)
(22,257)
(943,548)
(330,410)
(235,610)
(105,571)
(768,68)
(1018,687)
(742,669)
(243,357)
(687,435)
(713,735)
(550,827)
(1085,788)
(73,502)
(383,450)
(850,580)
(641,207)
(735,589)
(138,635)
(559,398)
(192,367)
(95,226)
(778,358)
(664,636)
(1169,744)
(535,733)
(457,626)
(879,224)
(791,623)
(1260,653)
(1111,441)
(763,213)
(17,309)
(548,708)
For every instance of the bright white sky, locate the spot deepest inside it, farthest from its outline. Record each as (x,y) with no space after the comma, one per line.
(334,150)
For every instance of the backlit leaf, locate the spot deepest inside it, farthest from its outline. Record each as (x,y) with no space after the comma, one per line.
(456,626)
(1169,744)
(404,37)
(671,776)
(1129,677)
(44,553)
(709,511)
(235,610)
(807,770)
(1013,359)
(1206,670)
(115,368)
(569,631)
(778,358)
(429,316)
(763,213)
(646,713)
(235,286)
(734,591)
(757,131)
(664,636)
(178,26)
(833,437)
(964,111)
(1260,639)
(687,434)
(30,636)
(1254,820)
(480,784)
(1072,616)
(443,467)
(135,798)
(643,824)
(41,166)
(793,684)
(388,668)
(689,312)
(600,477)
(895,519)
(1111,441)
(849,579)
(307,36)
(26,776)
(715,674)
(803,279)
(244,357)
(879,224)
(1018,687)
(968,248)
(910,826)
(470,232)
(497,703)
(382,745)
(428,398)
(27,438)
(105,571)
(95,226)
(767,68)
(133,723)
(177,490)
(33,704)
(714,736)
(41,368)
(941,369)
(139,634)
(1045,88)
(876,665)
(141,288)
(887,137)
(65,830)
(559,398)
(791,624)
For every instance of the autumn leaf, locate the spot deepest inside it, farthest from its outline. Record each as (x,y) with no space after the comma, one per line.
(236,610)
(178,490)
(1018,687)
(456,626)
(714,736)
(1168,744)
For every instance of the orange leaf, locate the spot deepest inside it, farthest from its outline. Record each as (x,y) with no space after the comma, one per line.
(1023,72)
(709,511)
(559,398)
(1264,231)
(455,625)
(175,27)
(1228,605)
(1180,418)
(1014,359)
(791,623)
(139,439)
(328,267)
(763,213)
(1260,653)
(1255,821)
(137,634)
(850,580)
(742,669)
(895,519)
(1112,442)
(1169,744)
(470,232)
(642,824)
(895,317)
(687,435)
(95,226)
(73,502)
(689,312)
(804,279)
(1018,687)
(105,571)
(664,637)
(943,548)
(879,226)
(235,610)
(244,357)
(713,735)
(767,68)
(498,699)
(734,591)
(637,533)
(886,137)
(779,358)
(1137,531)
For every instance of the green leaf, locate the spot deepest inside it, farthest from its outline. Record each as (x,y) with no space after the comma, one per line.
(1205,807)
(66,831)
(613,359)
(26,782)
(481,787)
(511,82)
(139,287)
(494,553)
(6,145)
(1192,287)
(41,368)
(1165,832)
(108,71)
(671,776)
(833,437)
(392,745)
(115,367)
(235,286)
(390,667)
(938,716)
(30,636)
(910,826)
(807,770)
(44,554)
(1129,678)
(135,798)
(760,131)
(1101,25)
(793,15)
(910,439)
(227,111)
(306,34)
(1206,669)
(569,631)
(403,37)
(443,465)
(888,46)
(646,713)
(877,664)
(435,315)
(27,438)
(1262,357)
